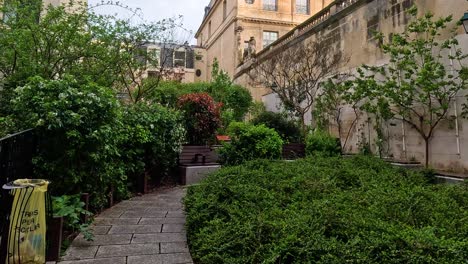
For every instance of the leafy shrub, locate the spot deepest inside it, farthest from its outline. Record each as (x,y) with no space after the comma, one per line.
(325,210)
(78,129)
(152,138)
(201,117)
(287,129)
(250,142)
(322,143)
(71,208)
(168,92)
(234,98)
(6,126)
(90,143)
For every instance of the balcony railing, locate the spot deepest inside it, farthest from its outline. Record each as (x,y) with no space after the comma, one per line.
(320,17)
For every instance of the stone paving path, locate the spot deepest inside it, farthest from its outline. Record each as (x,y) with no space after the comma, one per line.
(146,229)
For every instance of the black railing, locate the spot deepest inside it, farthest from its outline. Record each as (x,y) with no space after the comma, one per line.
(16,154)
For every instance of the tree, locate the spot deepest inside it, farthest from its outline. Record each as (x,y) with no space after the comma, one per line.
(235,98)
(334,97)
(146,55)
(52,42)
(295,73)
(424,75)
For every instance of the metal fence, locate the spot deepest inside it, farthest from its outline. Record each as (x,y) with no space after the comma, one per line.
(16,154)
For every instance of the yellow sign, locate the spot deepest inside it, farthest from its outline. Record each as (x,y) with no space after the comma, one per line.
(27,235)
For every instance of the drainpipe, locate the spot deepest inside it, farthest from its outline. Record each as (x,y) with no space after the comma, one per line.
(455,108)
(457,129)
(403,130)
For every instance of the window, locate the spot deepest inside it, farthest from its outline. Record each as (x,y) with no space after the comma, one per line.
(153,57)
(13,10)
(302,7)
(209,29)
(269,37)
(270,5)
(372,27)
(224,10)
(179,58)
(249,1)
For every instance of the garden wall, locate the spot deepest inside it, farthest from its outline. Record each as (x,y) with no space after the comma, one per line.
(350,25)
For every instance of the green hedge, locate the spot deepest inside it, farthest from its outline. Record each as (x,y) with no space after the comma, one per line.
(287,129)
(250,142)
(89,142)
(325,210)
(152,137)
(322,143)
(234,98)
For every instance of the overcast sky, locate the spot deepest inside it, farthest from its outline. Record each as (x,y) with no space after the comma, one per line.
(155,10)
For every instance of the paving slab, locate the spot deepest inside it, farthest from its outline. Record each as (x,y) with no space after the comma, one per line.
(116,221)
(122,260)
(177,258)
(78,253)
(99,240)
(136,229)
(100,230)
(145,229)
(158,238)
(146,214)
(178,247)
(173,228)
(152,221)
(128,250)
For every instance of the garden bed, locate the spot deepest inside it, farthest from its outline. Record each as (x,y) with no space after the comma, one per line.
(326,210)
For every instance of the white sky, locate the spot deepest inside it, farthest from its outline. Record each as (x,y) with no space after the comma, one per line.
(155,10)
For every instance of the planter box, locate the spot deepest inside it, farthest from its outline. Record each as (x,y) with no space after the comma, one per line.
(293,151)
(195,162)
(194,174)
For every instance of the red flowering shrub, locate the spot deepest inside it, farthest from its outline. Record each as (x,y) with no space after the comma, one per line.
(202,117)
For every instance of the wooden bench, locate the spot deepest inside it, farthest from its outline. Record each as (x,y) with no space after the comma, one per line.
(197,156)
(195,162)
(293,151)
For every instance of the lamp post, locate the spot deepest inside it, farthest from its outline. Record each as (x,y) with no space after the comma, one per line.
(464,20)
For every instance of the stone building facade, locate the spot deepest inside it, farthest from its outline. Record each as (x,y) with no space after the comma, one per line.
(350,23)
(75,4)
(174,62)
(234,29)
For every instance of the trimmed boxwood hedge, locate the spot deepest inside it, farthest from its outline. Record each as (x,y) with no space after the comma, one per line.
(326,210)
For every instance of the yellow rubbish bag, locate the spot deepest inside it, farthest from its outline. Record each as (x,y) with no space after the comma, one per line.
(27,233)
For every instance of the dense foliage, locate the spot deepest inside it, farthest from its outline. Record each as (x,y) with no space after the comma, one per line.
(322,143)
(418,86)
(287,129)
(51,42)
(152,139)
(76,125)
(325,210)
(250,142)
(88,143)
(234,98)
(201,117)
(71,208)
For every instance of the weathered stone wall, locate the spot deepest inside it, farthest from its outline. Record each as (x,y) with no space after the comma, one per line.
(224,37)
(350,29)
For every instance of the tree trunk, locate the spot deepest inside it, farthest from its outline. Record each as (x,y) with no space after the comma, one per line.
(303,124)
(426,141)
